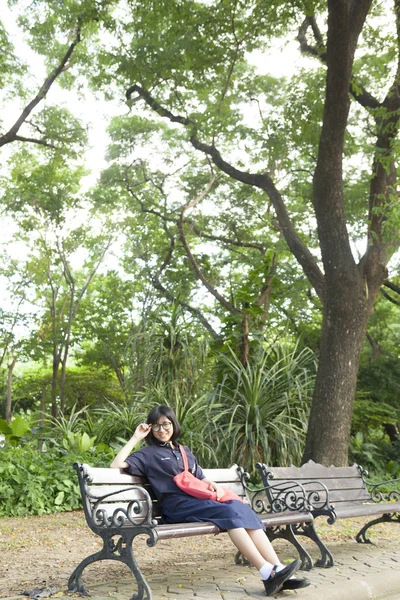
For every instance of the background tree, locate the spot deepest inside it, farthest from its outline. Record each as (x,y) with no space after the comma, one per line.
(199,81)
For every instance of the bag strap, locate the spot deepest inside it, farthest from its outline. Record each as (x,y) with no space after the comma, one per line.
(184,457)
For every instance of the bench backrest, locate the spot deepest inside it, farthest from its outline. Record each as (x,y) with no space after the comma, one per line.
(110,494)
(345,484)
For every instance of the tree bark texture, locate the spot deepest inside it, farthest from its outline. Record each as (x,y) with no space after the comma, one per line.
(343,332)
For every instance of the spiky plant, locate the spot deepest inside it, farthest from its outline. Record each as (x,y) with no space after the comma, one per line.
(262,410)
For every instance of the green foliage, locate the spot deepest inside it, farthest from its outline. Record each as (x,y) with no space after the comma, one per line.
(364,452)
(9,66)
(41,186)
(382,380)
(15,431)
(393,469)
(262,409)
(35,483)
(116,421)
(78,442)
(369,415)
(85,386)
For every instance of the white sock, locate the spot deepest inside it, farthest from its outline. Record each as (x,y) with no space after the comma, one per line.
(266,570)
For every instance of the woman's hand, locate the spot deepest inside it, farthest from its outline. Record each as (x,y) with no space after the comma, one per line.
(119,461)
(141,431)
(215,488)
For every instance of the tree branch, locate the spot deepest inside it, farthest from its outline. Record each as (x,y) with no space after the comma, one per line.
(193,263)
(383,187)
(262,181)
(91,275)
(358,91)
(388,297)
(392,286)
(263,298)
(21,138)
(12,134)
(224,240)
(194,311)
(319,50)
(376,350)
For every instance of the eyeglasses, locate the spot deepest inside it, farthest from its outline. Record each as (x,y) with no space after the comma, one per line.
(157,426)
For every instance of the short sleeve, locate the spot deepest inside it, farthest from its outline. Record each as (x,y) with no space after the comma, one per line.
(137,464)
(199,472)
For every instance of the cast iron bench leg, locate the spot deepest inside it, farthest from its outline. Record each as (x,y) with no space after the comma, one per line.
(287,532)
(362,539)
(308,530)
(123,552)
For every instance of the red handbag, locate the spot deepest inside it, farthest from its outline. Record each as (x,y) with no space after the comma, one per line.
(197,487)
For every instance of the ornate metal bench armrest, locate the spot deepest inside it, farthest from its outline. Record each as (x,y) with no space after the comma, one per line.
(378,495)
(135,508)
(280,497)
(317,495)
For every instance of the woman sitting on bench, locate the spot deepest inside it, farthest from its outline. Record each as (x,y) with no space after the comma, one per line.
(161,460)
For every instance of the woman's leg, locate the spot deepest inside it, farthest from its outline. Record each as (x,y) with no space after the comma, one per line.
(246,545)
(263,545)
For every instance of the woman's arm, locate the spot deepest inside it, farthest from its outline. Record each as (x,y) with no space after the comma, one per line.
(119,461)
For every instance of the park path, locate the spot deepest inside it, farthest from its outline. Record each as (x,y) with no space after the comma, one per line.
(361,572)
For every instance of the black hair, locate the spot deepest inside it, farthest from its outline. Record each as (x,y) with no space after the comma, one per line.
(153,417)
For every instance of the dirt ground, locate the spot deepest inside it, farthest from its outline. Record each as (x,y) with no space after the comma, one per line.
(41,552)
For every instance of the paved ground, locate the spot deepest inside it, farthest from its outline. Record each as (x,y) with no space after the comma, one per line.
(361,572)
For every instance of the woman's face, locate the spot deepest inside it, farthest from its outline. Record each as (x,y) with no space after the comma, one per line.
(163,430)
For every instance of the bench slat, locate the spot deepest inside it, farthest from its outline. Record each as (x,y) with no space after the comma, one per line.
(222,475)
(345,483)
(349,496)
(122,492)
(100,475)
(179,530)
(364,510)
(286,518)
(312,470)
(191,529)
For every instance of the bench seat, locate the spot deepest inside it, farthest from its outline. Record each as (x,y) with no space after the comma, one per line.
(365,510)
(177,530)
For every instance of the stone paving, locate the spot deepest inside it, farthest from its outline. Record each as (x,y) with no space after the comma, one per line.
(361,572)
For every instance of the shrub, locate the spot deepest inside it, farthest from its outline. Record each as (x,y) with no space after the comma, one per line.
(261,409)
(35,483)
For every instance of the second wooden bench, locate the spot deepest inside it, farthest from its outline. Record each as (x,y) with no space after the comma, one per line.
(335,492)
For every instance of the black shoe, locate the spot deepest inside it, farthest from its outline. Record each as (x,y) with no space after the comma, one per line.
(276,580)
(295,584)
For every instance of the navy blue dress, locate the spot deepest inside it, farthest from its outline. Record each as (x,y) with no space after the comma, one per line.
(159,463)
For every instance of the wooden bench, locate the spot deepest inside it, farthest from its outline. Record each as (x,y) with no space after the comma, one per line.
(335,492)
(119,506)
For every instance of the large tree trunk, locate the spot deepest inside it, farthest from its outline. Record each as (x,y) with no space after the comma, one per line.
(343,332)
